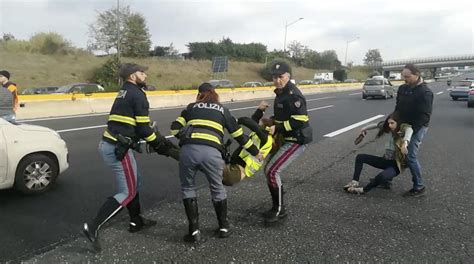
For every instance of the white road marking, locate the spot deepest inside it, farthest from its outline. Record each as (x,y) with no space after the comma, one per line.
(79,128)
(355,93)
(438,93)
(243,108)
(318,108)
(316,99)
(345,129)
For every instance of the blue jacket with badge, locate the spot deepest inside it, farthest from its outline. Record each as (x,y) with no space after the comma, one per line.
(291,115)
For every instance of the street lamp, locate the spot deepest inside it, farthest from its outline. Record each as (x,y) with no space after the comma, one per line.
(286,29)
(347,46)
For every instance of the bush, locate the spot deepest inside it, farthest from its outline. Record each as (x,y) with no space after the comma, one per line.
(340,75)
(107,74)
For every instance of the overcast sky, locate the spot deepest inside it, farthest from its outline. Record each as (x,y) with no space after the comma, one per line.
(398,28)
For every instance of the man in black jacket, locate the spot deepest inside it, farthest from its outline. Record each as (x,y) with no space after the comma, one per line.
(128,122)
(415,104)
(291,123)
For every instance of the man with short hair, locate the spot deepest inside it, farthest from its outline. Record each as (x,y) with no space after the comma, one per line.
(128,122)
(7,84)
(291,123)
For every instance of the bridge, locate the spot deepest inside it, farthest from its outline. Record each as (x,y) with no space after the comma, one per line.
(431,63)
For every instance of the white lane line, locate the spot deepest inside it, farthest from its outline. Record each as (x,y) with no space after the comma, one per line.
(345,129)
(355,93)
(438,93)
(318,108)
(316,99)
(243,108)
(79,128)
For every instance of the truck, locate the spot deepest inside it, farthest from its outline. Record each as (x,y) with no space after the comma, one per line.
(323,77)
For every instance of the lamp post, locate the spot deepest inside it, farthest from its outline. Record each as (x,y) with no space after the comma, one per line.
(347,46)
(286,30)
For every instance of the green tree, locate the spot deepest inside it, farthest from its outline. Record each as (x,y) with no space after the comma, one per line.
(372,57)
(107,74)
(136,38)
(329,60)
(49,43)
(297,52)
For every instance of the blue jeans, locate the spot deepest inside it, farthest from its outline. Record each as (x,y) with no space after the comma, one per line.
(126,173)
(412,160)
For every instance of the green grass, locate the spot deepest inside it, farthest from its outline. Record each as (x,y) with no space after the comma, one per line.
(36,70)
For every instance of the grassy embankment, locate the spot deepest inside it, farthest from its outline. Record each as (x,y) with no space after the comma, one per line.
(36,70)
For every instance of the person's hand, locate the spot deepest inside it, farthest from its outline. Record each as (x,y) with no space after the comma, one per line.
(263,105)
(404,147)
(260,157)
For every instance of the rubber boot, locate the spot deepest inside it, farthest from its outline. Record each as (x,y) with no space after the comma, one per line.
(221,212)
(191,208)
(278,210)
(137,222)
(91,230)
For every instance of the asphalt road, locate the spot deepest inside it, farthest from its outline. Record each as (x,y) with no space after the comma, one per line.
(32,225)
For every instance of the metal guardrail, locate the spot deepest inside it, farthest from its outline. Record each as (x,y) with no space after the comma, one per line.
(438,59)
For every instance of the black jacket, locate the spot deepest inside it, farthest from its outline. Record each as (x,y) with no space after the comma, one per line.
(290,115)
(204,123)
(129,116)
(415,105)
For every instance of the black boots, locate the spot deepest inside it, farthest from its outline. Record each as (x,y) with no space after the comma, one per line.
(221,213)
(137,222)
(91,230)
(191,208)
(278,210)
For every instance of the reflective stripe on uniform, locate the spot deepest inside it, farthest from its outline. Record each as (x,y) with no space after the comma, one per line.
(108,135)
(174,131)
(150,138)
(287,125)
(237,133)
(248,144)
(142,119)
(123,119)
(303,118)
(208,123)
(206,137)
(291,139)
(181,120)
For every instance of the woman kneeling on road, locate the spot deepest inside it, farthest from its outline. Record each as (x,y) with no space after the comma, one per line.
(393,161)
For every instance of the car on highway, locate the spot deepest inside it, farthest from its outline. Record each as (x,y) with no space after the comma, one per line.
(40,90)
(31,157)
(470,98)
(377,86)
(221,83)
(252,84)
(460,89)
(81,88)
(305,82)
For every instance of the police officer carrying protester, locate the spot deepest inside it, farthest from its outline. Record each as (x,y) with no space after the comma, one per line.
(415,104)
(200,129)
(292,123)
(128,122)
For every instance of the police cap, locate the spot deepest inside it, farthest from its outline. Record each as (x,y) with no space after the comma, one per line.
(128,68)
(5,73)
(280,67)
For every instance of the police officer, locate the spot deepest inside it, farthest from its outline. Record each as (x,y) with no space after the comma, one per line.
(291,122)
(128,123)
(200,129)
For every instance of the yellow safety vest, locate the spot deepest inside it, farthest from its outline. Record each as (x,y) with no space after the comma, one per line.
(252,164)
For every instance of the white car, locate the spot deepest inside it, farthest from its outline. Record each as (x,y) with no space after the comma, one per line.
(31,157)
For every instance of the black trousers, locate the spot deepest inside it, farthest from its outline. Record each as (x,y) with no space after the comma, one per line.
(389,167)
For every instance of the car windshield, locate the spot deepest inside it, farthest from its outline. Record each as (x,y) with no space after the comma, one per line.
(462,84)
(64,89)
(374,82)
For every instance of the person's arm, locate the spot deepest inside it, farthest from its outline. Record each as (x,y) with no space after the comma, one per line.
(178,124)
(252,125)
(238,133)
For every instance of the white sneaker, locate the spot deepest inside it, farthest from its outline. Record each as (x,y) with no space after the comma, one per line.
(356,190)
(351,184)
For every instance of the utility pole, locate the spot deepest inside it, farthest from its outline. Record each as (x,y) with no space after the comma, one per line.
(286,29)
(347,46)
(118,37)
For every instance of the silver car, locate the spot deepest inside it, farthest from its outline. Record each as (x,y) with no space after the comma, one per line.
(377,87)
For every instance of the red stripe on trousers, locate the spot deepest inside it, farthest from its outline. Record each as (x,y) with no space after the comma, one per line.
(280,161)
(130,178)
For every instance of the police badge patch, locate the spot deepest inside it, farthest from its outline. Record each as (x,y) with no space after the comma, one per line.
(298,104)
